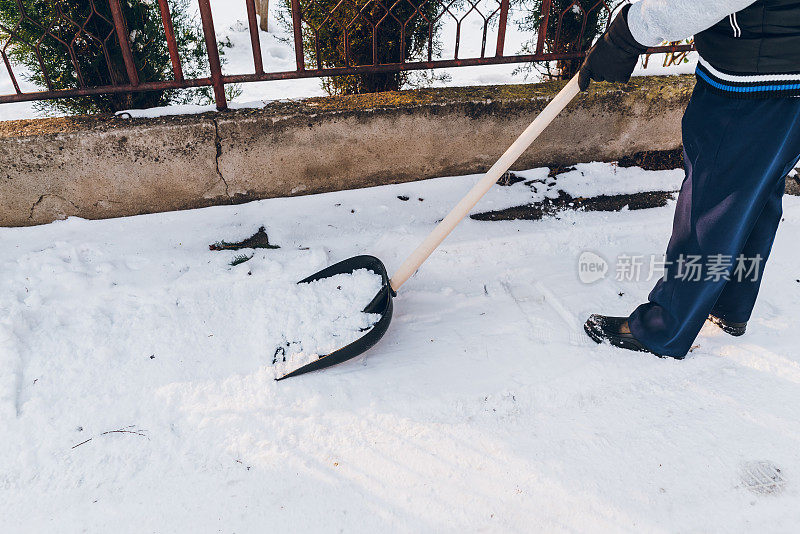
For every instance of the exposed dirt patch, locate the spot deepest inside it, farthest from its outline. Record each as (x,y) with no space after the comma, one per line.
(257,240)
(559,169)
(637,201)
(793,185)
(654,160)
(508,179)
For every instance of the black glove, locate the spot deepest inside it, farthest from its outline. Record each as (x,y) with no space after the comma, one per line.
(614,56)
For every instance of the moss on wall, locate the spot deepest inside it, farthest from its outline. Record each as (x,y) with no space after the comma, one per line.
(501,97)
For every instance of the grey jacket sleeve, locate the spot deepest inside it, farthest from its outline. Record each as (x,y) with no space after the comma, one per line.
(654,21)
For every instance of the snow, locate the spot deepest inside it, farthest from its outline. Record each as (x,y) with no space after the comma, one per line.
(137,394)
(594,179)
(184,109)
(656,67)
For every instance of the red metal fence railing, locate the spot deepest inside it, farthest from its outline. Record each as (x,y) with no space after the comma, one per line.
(310,19)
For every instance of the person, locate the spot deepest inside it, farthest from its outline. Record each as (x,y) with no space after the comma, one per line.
(741,137)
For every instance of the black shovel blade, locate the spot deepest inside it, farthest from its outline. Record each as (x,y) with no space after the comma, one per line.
(381,304)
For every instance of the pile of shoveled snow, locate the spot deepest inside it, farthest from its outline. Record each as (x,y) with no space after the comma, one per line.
(311,320)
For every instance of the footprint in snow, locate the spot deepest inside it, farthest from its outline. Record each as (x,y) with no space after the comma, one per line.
(762,477)
(278,52)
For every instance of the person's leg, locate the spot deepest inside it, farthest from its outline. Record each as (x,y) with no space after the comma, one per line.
(736,302)
(735,153)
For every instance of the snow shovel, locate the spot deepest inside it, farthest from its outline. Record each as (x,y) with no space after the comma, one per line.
(382,303)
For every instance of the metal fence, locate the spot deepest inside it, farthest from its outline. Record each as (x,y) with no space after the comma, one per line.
(311,20)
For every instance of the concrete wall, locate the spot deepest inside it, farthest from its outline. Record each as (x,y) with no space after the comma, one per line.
(108,167)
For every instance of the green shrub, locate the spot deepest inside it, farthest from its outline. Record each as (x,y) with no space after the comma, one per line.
(329,17)
(570,38)
(99,67)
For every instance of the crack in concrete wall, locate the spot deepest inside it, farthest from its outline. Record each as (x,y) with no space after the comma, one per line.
(58,198)
(107,169)
(218,155)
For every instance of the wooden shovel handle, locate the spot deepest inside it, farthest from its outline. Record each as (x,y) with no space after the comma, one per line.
(443,229)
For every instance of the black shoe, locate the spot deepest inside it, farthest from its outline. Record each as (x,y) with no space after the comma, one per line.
(615,330)
(729,327)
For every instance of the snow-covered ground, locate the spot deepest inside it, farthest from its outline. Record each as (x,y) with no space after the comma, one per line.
(137,395)
(230,18)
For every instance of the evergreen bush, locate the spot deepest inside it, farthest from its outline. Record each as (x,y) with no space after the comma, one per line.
(333,18)
(573,35)
(98,66)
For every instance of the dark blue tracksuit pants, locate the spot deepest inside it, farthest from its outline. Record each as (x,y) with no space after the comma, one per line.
(737,155)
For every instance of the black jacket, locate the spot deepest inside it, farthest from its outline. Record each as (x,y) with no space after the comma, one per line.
(754,53)
(763,38)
